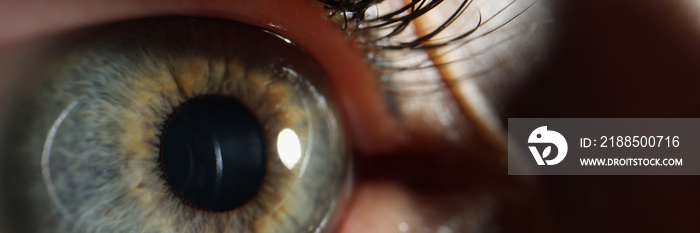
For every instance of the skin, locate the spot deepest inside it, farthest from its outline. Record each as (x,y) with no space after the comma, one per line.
(628,48)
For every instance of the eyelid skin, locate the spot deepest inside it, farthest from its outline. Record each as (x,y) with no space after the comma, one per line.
(367,121)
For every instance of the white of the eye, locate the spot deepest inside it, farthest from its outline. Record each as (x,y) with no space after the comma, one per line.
(289,147)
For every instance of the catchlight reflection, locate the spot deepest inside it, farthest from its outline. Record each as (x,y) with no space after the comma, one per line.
(288,147)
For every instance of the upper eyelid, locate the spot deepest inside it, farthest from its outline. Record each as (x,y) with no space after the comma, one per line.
(21,21)
(25,21)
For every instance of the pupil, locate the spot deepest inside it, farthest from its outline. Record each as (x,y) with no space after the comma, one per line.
(213,153)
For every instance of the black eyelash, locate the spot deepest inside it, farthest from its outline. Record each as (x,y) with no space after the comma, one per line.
(354,19)
(354,11)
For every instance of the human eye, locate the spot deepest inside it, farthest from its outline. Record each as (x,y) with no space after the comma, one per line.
(394,176)
(412,176)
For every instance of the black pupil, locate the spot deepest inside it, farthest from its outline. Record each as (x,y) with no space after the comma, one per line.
(213,153)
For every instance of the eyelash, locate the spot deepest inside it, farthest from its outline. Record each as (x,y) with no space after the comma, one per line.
(355,14)
(353,17)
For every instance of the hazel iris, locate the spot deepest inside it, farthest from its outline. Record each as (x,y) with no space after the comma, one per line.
(213,153)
